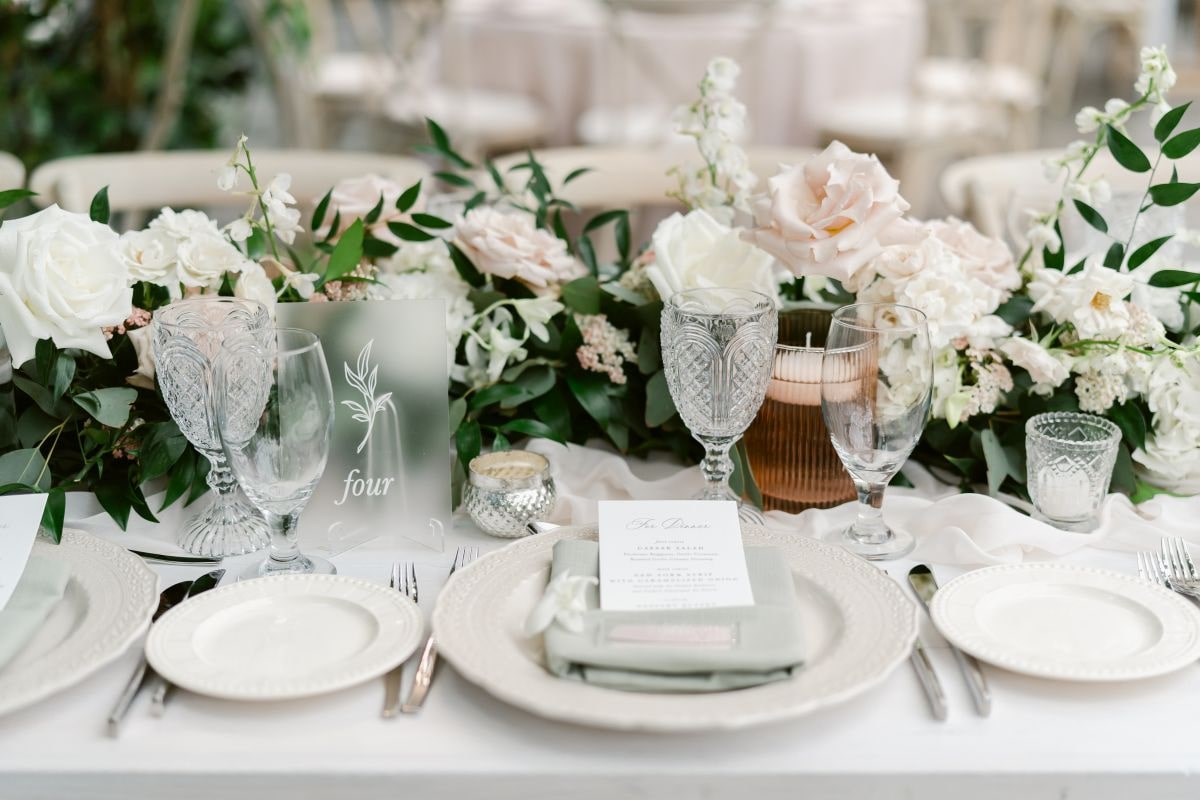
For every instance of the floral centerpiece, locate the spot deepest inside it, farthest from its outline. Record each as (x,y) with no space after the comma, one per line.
(544,339)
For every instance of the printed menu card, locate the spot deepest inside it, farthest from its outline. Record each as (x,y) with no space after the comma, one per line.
(20,518)
(671,554)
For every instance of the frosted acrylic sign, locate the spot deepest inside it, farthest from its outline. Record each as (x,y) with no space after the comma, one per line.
(389,461)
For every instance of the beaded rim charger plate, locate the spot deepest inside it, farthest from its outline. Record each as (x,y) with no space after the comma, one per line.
(858,625)
(1068,622)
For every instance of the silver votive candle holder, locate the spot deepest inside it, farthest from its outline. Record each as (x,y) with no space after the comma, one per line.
(507,490)
(1070,459)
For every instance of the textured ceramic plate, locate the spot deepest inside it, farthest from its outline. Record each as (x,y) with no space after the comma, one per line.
(858,624)
(284,637)
(106,606)
(1068,622)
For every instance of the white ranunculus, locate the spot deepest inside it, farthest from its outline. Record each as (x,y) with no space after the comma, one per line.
(204,260)
(695,251)
(143,376)
(1092,300)
(983,258)
(62,277)
(1171,458)
(509,245)
(825,217)
(149,256)
(253,284)
(1047,370)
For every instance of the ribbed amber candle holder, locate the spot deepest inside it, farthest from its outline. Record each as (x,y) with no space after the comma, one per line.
(791,456)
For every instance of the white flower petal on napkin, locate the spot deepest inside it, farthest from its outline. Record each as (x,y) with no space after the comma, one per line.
(564,602)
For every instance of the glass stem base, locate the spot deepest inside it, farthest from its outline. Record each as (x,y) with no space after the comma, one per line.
(228,525)
(869,536)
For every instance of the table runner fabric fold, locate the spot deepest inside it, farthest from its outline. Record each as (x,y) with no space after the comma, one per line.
(680,650)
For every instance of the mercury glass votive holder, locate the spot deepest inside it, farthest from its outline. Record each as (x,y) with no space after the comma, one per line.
(507,490)
(1069,459)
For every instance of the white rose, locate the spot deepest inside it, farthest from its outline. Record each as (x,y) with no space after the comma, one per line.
(1048,372)
(825,217)
(204,260)
(1171,458)
(508,245)
(253,284)
(694,251)
(62,278)
(149,256)
(143,376)
(983,258)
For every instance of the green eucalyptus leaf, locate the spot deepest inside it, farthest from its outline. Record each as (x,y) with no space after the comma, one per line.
(109,406)
(592,393)
(465,268)
(1091,216)
(1172,194)
(1166,125)
(1143,253)
(576,173)
(161,446)
(408,198)
(996,459)
(1131,421)
(55,512)
(621,233)
(375,213)
(454,179)
(531,427)
(1181,144)
(582,295)
(410,233)
(1127,154)
(42,396)
(430,221)
(458,411)
(182,475)
(1169,278)
(659,406)
(602,219)
(1114,256)
(587,254)
(468,440)
(318,217)
(26,466)
(347,254)
(475,200)
(500,442)
(377,248)
(98,210)
(10,196)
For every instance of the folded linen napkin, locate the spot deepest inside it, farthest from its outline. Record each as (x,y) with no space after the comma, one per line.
(700,650)
(38,591)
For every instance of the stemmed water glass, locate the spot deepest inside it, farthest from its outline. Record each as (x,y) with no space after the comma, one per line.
(275,416)
(876,383)
(718,346)
(187,337)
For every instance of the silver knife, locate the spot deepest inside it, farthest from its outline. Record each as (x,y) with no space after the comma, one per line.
(921,579)
(163,687)
(929,681)
(171,596)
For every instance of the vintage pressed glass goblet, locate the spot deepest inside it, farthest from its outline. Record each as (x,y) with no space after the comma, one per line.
(188,335)
(717,347)
(275,417)
(876,383)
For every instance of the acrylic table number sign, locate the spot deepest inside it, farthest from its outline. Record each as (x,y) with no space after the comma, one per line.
(389,463)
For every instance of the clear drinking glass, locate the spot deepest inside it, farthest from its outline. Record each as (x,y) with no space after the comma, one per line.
(1070,460)
(188,335)
(876,383)
(275,416)
(718,346)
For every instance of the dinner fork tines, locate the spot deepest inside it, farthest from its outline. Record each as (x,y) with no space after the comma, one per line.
(1172,568)
(403,579)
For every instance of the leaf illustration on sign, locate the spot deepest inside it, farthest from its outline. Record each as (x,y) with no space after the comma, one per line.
(364,378)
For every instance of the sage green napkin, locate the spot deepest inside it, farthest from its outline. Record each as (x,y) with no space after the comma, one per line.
(40,588)
(701,650)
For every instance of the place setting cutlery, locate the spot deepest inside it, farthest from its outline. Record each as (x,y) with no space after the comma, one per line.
(925,586)
(1172,568)
(143,674)
(404,579)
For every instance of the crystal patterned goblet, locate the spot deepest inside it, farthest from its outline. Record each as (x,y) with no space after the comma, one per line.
(275,417)
(188,335)
(876,384)
(718,346)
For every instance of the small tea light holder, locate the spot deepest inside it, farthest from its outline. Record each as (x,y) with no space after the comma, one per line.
(1070,459)
(507,490)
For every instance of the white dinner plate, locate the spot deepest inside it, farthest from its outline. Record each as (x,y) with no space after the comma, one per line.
(107,604)
(284,637)
(858,626)
(1068,622)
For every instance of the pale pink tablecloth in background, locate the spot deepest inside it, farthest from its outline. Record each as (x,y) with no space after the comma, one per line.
(814,54)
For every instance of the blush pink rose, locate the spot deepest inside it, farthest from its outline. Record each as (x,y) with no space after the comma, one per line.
(509,245)
(354,198)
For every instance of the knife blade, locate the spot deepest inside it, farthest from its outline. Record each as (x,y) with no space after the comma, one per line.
(929,681)
(169,597)
(162,687)
(923,583)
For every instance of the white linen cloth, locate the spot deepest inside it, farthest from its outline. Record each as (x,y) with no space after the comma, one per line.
(951,528)
(562,53)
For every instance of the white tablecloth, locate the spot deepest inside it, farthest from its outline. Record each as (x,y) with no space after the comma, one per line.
(812,55)
(1044,739)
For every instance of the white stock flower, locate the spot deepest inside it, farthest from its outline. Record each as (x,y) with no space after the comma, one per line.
(509,245)
(1047,370)
(825,217)
(695,251)
(285,220)
(1157,77)
(722,74)
(564,602)
(535,313)
(253,284)
(489,348)
(1043,235)
(239,230)
(227,178)
(1093,192)
(62,277)
(149,255)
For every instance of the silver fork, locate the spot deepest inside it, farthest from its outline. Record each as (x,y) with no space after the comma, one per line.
(424,675)
(1180,571)
(404,579)
(1150,568)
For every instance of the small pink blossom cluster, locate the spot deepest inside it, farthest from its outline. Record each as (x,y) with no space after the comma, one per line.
(992,380)
(346,290)
(138,318)
(605,347)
